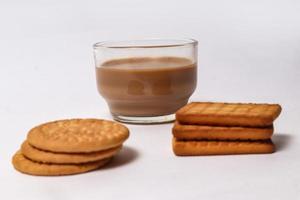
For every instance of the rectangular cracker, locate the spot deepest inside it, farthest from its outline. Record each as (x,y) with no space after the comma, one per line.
(201,148)
(228,114)
(198,132)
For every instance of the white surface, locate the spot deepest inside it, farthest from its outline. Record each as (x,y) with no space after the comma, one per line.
(248,51)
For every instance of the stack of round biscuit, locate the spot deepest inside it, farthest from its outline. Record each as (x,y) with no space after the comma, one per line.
(69,146)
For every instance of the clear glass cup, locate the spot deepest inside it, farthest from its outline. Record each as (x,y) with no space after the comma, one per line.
(146,81)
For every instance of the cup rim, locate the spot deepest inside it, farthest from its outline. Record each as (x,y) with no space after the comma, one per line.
(146,43)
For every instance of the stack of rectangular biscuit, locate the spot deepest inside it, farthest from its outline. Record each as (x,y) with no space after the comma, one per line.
(224,128)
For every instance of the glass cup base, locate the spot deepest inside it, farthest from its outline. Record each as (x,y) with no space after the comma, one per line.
(144,120)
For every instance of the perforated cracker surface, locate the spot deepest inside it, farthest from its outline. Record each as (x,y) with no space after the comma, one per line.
(228,114)
(78,135)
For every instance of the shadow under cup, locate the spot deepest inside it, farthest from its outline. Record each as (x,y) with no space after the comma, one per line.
(146,81)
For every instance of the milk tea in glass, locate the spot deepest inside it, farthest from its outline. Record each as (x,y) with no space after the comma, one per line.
(146,81)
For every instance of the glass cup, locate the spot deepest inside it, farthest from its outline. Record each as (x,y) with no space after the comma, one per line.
(146,81)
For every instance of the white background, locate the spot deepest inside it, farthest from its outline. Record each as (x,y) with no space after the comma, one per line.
(249,51)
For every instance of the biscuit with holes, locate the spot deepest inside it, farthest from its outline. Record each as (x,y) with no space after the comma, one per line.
(198,132)
(201,148)
(78,135)
(27,166)
(228,114)
(65,158)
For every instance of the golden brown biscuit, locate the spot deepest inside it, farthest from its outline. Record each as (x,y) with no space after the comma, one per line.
(24,165)
(228,114)
(198,132)
(197,148)
(65,158)
(78,135)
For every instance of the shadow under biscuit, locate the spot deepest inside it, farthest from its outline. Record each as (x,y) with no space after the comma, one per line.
(281,141)
(124,157)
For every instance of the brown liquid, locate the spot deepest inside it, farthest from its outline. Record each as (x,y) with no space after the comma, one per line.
(146,86)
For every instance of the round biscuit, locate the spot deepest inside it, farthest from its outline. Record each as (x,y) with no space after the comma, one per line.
(65,158)
(24,165)
(78,135)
